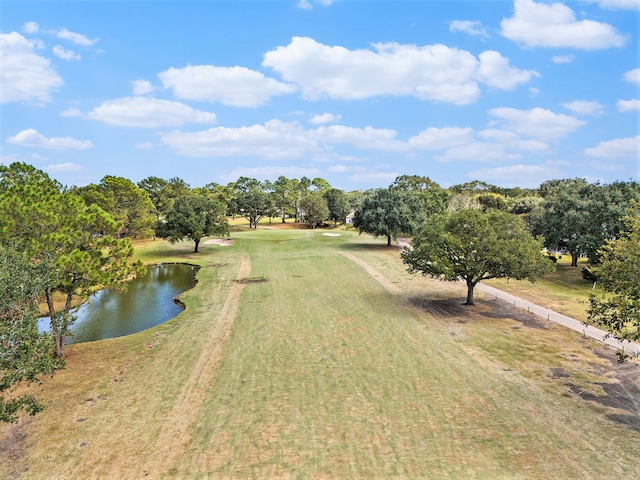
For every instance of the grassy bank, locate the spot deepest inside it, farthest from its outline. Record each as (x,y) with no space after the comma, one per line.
(338,365)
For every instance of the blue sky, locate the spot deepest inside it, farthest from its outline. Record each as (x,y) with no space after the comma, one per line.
(356,92)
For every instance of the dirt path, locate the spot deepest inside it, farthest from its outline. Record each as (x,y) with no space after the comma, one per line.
(381,279)
(176,434)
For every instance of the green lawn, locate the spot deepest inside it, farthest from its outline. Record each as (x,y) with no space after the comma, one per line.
(329,369)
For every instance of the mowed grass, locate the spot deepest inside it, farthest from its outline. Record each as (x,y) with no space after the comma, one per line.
(328,372)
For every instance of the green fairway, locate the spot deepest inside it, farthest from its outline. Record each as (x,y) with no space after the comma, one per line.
(338,365)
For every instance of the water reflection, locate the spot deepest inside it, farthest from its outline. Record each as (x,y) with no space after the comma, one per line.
(148,301)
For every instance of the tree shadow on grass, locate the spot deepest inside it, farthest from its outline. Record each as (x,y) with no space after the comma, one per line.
(496,310)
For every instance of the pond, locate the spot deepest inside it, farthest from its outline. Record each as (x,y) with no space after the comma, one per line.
(148,301)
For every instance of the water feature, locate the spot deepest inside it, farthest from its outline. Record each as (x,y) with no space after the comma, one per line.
(148,301)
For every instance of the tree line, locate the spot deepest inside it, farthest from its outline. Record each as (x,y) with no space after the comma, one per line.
(60,244)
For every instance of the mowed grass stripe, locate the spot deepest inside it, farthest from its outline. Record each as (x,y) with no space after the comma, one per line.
(328,374)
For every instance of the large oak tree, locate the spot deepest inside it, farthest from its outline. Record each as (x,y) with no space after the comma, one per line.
(193,217)
(473,245)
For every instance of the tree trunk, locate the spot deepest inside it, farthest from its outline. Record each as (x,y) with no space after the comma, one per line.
(388,240)
(574,259)
(54,325)
(470,287)
(197,242)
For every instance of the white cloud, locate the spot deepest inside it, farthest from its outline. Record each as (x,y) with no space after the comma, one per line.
(617,148)
(374,177)
(142,87)
(24,75)
(143,145)
(234,86)
(307,5)
(72,112)
(527,176)
(30,28)
(537,122)
(562,58)
(76,38)
(64,167)
(555,25)
(467,26)
(431,72)
(583,107)
(325,118)
(366,138)
(495,71)
(442,138)
(32,138)
(60,52)
(628,105)
(273,140)
(618,4)
(148,112)
(633,76)
(479,152)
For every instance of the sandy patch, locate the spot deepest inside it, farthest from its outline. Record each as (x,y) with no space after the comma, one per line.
(332,234)
(224,242)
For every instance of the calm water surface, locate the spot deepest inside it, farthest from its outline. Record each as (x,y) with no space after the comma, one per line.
(147,302)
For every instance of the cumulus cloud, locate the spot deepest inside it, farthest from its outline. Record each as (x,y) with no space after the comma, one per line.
(148,112)
(276,139)
(72,112)
(60,52)
(325,118)
(555,25)
(24,75)
(273,140)
(562,58)
(442,138)
(234,86)
(628,105)
(496,72)
(30,28)
(32,138)
(373,177)
(366,138)
(474,28)
(583,107)
(431,72)
(76,38)
(633,76)
(618,4)
(142,87)
(520,175)
(64,167)
(307,5)
(626,148)
(537,123)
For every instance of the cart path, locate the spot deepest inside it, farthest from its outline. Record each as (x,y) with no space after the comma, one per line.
(568,322)
(177,428)
(572,323)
